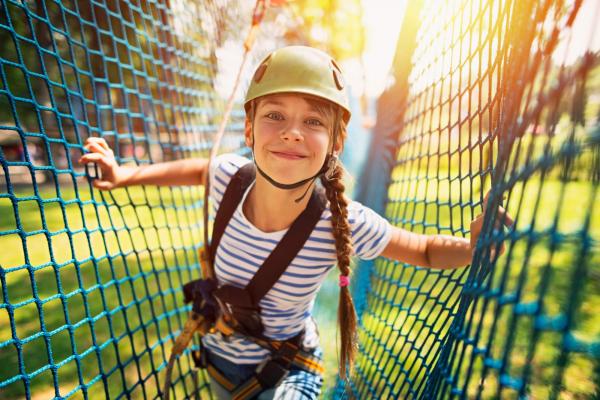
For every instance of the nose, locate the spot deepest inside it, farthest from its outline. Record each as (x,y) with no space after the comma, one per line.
(292,133)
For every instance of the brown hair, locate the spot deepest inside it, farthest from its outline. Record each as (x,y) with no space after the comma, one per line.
(338,204)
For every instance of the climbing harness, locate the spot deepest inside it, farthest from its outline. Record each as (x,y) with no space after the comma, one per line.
(273,370)
(230,309)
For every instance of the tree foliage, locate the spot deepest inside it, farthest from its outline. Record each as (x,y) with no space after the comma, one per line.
(335,26)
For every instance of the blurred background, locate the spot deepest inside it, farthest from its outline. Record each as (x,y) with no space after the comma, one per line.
(449,99)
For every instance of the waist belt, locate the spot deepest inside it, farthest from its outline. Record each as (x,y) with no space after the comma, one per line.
(271,372)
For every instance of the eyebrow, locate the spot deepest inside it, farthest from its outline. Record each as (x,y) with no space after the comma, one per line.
(272,102)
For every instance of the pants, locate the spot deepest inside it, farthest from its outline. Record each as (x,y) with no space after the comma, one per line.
(298,385)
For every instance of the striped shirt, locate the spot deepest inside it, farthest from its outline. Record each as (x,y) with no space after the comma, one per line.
(286,309)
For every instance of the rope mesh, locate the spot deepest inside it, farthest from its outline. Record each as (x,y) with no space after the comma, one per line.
(490,97)
(91,281)
(493,97)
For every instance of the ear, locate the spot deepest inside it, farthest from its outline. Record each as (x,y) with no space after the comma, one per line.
(248,132)
(338,148)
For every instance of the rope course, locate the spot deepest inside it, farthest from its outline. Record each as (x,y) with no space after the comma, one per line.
(91,281)
(500,95)
(485,94)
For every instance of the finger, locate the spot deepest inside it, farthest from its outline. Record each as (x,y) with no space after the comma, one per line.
(499,226)
(505,217)
(478,219)
(88,158)
(487,197)
(99,141)
(96,158)
(476,226)
(102,185)
(97,148)
(88,147)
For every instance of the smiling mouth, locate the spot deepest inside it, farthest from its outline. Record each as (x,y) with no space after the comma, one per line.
(288,156)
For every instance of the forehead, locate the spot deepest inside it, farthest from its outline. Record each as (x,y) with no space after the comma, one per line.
(293,100)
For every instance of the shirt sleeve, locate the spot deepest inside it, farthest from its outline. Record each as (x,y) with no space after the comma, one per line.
(221,171)
(371,233)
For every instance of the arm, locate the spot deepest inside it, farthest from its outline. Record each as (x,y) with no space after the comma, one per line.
(431,251)
(441,251)
(172,173)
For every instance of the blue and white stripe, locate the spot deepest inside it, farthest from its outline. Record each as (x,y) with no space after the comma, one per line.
(286,309)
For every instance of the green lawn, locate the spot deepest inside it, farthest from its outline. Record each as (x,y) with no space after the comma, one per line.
(411,308)
(107,317)
(112,315)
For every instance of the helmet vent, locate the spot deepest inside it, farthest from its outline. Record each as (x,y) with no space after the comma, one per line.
(260,72)
(337,75)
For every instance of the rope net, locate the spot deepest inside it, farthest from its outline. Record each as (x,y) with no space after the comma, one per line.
(92,281)
(485,94)
(501,95)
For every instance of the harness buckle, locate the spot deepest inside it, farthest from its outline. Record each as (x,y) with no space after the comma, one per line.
(270,373)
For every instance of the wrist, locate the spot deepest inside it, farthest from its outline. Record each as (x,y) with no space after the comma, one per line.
(124,175)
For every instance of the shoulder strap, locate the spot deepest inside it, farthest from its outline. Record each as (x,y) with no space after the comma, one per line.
(288,247)
(240,181)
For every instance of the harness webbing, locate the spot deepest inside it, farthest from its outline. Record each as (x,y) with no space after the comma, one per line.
(298,358)
(285,354)
(287,249)
(231,198)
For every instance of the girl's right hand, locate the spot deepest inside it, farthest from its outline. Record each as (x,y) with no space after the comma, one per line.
(112,175)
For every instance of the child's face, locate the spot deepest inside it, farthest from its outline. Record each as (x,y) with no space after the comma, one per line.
(292,137)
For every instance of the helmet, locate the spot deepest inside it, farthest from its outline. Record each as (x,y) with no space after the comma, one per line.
(300,69)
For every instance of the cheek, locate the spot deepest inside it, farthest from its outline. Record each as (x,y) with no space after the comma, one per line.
(264,133)
(320,143)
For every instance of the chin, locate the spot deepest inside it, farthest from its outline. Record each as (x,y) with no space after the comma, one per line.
(287,178)
(287,172)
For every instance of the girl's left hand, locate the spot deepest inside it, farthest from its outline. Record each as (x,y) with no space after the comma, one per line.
(502,219)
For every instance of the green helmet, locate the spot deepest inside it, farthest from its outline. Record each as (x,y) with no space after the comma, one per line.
(300,69)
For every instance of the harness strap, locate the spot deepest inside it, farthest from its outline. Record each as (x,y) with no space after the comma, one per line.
(284,253)
(287,249)
(271,372)
(231,198)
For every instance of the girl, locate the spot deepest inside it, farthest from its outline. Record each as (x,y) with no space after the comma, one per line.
(296,117)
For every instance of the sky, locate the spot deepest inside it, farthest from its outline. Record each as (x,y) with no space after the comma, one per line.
(382,20)
(585,34)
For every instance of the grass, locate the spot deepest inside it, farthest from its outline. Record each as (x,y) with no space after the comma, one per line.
(411,309)
(107,285)
(107,297)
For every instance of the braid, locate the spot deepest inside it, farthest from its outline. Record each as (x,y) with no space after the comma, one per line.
(334,189)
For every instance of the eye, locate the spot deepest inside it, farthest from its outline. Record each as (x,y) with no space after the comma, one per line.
(274,116)
(314,122)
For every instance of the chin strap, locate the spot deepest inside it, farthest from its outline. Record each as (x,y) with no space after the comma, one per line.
(327,168)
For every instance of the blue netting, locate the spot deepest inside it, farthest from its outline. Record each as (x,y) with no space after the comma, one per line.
(499,95)
(91,282)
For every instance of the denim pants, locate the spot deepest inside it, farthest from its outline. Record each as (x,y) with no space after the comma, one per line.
(298,384)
